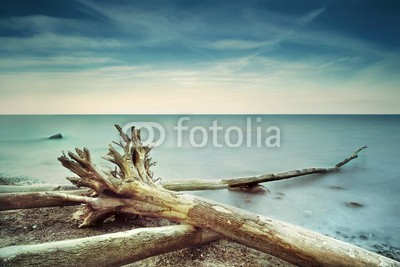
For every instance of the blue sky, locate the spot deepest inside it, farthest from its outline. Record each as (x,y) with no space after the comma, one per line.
(199,56)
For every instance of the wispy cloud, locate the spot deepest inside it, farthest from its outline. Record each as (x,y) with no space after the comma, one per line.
(149,27)
(43,24)
(27,64)
(49,42)
(309,17)
(238,44)
(270,38)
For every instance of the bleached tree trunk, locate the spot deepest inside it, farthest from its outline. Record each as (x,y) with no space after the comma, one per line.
(107,250)
(34,188)
(13,201)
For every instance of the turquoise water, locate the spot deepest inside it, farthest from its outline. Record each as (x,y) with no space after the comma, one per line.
(317,202)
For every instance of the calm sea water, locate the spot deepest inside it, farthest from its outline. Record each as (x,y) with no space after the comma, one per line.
(317,202)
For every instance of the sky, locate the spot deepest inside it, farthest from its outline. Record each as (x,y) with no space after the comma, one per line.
(192,56)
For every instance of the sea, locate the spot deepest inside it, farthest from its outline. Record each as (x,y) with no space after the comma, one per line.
(360,204)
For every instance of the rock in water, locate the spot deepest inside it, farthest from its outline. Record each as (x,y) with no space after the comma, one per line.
(354,205)
(56,136)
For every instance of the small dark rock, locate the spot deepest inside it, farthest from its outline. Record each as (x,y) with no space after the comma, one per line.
(363,237)
(56,136)
(354,205)
(336,187)
(254,189)
(279,195)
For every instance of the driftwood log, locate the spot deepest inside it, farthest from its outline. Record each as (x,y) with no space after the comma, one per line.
(130,189)
(34,188)
(121,248)
(248,183)
(13,201)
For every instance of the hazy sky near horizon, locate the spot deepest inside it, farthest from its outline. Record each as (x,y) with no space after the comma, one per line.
(190,56)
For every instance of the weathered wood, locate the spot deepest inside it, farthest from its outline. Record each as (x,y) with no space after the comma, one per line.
(238,184)
(193,184)
(107,250)
(34,188)
(13,201)
(289,174)
(285,241)
(130,189)
(212,184)
(352,156)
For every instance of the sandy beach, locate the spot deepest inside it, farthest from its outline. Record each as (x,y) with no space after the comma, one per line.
(34,226)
